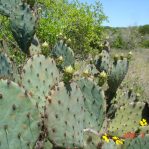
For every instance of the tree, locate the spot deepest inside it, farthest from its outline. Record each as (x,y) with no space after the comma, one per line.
(78,21)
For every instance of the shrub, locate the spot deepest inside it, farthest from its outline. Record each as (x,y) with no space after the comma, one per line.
(79,22)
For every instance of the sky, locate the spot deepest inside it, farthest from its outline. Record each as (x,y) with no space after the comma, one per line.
(123,13)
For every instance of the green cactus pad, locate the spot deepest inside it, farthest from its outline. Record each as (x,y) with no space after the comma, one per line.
(61,49)
(137,143)
(38,76)
(117,74)
(126,95)
(19,124)
(94,104)
(127,119)
(22,23)
(6,67)
(103,61)
(6,6)
(48,145)
(65,112)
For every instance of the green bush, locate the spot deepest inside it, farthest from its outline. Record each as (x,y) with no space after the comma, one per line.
(118,43)
(145,44)
(144,29)
(77,21)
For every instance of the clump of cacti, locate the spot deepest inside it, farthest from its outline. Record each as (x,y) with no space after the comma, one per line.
(22,21)
(50,106)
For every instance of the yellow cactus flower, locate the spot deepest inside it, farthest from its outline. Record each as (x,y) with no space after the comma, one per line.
(105,138)
(115,138)
(69,70)
(45,45)
(119,141)
(143,122)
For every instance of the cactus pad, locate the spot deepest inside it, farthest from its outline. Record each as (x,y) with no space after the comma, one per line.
(103,61)
(6,6)
(61,49)
(22,23)
(94,104)
(65,112)
(38,76)
(127,119)
(137,143)
(117,74)
(6,67)
(19,124)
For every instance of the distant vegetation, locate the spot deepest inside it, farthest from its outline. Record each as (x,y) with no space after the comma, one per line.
(129,37)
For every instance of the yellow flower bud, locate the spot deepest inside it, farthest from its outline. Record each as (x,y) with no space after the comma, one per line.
(129,56)
(69,70)
(60,58)
(86,73)
(45,45)
(103,74)
(116,57)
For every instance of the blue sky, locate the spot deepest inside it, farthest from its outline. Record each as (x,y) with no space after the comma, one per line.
(124,13)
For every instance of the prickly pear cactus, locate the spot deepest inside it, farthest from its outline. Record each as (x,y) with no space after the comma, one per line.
(102,63)
(19,124)
(117,74)
(22,23)
(127,118)
(6,67)
(94,104)
(61,49)
(65,112)
(38,76)
(6,6)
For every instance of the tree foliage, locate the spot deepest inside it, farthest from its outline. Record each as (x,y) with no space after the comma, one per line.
(144,29)
(78,21)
